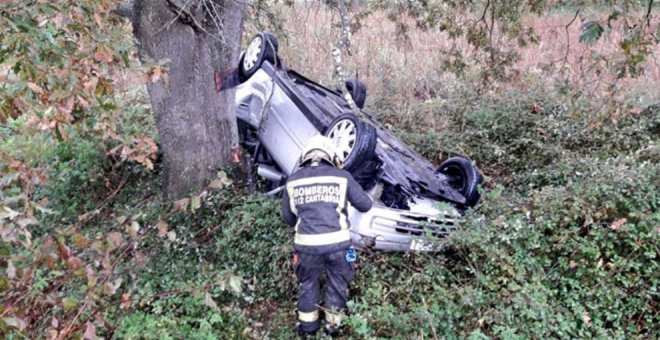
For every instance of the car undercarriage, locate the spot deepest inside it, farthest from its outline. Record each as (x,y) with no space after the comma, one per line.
(278,110)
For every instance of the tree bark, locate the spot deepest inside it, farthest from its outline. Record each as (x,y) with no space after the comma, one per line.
(196,125)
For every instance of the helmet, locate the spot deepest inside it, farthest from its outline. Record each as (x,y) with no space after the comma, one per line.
(319,148)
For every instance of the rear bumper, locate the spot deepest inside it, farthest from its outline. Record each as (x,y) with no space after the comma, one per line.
(390,229)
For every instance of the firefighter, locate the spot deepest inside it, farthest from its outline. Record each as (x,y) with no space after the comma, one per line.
(315,201)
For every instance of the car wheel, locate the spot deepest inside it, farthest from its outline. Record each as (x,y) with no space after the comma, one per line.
(355,141)
(367,173)
(358,91)
(262,47)
(464,177)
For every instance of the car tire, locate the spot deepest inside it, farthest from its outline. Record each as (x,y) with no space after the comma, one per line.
(355,141)
(262,47)
(367,174)
(464,177)
(358,91)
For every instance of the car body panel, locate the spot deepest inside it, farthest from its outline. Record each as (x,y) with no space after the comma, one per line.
(394,229)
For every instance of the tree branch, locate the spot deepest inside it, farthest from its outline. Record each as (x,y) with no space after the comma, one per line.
(568,40)
(483,15)
(184,16)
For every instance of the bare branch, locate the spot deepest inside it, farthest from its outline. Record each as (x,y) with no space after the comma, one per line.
(568,40)
(483,15)
(648,14)
(184,16)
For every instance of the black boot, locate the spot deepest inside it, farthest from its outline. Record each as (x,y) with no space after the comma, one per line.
(331,330)
(305,333)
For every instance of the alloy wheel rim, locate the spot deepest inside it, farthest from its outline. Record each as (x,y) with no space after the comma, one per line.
(252,53)
(343,134)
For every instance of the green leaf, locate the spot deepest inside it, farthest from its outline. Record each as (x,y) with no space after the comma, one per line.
(591,32)
(121,219)
(69,303)
(236,284)
(612,17)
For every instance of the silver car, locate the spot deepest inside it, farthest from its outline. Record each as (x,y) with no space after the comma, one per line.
(279,110)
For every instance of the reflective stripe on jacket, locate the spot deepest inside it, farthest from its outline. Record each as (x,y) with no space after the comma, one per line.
(315,201)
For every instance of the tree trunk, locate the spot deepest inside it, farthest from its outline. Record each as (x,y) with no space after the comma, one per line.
(196,124)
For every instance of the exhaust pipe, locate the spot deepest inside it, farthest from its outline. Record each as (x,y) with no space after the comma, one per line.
(270,173)
(275,191)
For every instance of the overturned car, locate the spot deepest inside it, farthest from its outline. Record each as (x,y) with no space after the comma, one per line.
(279,110)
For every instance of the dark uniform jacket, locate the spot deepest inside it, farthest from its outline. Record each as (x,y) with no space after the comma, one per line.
(315,201)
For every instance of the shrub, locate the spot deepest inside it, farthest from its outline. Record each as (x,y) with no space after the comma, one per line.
(75,174)
(258,245)
(577,260)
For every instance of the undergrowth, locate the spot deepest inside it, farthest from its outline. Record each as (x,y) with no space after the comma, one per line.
(563,245)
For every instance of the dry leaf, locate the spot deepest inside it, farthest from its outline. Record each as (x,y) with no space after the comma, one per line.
(480,322)
(616,225)
(585,318)
(208,300)
(216,184)
(155,74)
(90,332)
(80,240)
(103,55)
(162,228)
(58,20)
(140,258)
(91,277)
(17,323)
(115,239)
(133,229)
(83,102)
(98,20)
(89,87)
(74,263)
(181,205)
(65,109)
(11,270)
(52,334)
(126,300)
(536,107)
(113,286)
(195,203)
(34,87)
(64,251)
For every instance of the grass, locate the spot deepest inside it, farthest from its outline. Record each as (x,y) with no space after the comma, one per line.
(403,70)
